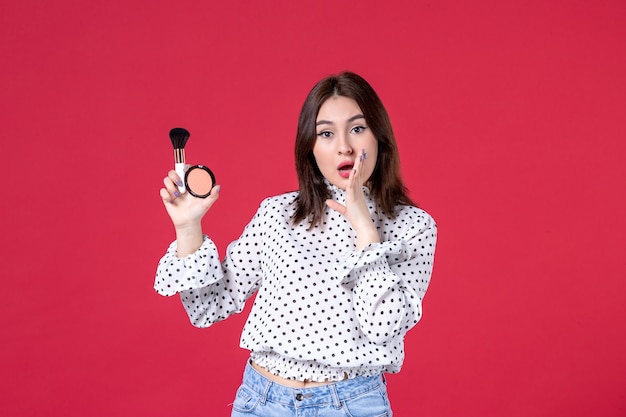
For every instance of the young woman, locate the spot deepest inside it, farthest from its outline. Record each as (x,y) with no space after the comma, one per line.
(340,267)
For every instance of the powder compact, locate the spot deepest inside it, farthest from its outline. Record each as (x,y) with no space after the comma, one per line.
(199,181)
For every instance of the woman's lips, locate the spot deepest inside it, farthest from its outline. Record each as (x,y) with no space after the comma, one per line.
(344,169)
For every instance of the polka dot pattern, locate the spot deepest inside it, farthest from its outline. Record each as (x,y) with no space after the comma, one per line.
(322,309)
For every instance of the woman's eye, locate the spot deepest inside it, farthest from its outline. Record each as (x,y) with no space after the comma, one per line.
(324,134)
(358,129)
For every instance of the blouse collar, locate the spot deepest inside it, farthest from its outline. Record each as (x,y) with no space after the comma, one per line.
(339,195)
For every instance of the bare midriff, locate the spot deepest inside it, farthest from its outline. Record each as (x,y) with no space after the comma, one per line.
(289,382)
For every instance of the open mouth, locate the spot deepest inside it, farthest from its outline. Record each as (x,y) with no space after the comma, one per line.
(344,169)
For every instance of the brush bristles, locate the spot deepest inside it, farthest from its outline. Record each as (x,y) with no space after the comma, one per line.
(179,137)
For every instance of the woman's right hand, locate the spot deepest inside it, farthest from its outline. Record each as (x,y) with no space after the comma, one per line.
(186,212)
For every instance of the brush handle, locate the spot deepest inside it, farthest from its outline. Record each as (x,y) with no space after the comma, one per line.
(180,170)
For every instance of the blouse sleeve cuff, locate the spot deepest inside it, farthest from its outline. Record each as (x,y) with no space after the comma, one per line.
(196,270)
(395,251)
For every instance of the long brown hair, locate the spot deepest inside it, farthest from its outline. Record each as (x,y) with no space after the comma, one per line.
(385,184)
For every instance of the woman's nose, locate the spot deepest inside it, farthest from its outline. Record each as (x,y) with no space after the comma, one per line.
(344,145)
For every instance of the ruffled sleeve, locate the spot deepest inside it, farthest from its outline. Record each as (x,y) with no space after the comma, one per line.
(389,279)
(197,270)
(393,252)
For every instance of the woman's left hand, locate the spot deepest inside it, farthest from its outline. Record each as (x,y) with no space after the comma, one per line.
(355,208)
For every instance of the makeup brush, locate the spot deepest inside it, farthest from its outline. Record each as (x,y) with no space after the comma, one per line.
(179,137)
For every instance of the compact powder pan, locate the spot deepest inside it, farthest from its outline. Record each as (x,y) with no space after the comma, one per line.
(199,181)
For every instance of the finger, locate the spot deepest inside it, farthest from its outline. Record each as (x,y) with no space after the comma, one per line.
(215,192)
(212,198)
(165,196)
(358,165)
(171,188)
(354,181)
(172,175)
(340,208)
(351,177)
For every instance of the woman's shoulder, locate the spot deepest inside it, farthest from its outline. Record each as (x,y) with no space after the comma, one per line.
(414,214)
(279,201)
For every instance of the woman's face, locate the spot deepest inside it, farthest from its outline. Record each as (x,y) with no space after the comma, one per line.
(342,135)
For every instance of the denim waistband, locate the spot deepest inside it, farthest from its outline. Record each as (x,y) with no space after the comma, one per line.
(333,392)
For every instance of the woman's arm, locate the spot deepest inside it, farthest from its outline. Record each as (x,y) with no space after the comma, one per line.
(210,290)
(186,213)
(389,279)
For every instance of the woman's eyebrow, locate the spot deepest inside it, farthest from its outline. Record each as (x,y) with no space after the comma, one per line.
(355,117)
(351,119)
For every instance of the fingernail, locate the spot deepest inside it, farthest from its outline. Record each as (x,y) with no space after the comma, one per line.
(363,154)
(176,194)
(179,183)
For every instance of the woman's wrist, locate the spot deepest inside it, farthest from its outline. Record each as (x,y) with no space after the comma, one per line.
(365,238)
(189,238)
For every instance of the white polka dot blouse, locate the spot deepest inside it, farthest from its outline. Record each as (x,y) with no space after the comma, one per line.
(322,309)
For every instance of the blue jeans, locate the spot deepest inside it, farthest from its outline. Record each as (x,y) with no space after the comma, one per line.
(358,397)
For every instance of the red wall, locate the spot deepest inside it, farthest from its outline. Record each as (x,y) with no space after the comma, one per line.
(510,118)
